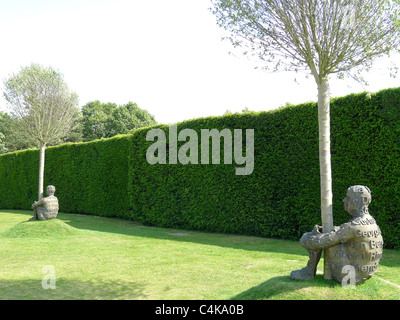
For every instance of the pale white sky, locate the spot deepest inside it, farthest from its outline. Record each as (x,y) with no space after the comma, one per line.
(167,56)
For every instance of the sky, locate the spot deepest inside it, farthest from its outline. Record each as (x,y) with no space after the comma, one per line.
(167,56)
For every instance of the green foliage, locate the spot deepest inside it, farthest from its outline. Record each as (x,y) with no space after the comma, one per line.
(93,177)
(76,132)
(42,102)
(280,199)
(18,175)
(273,201)
(105,120)
(12,138)
(90,177)
(3,148)
(95,119)
(296,35)
(129,117)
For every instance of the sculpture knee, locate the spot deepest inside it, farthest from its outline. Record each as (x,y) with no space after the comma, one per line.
(40,216)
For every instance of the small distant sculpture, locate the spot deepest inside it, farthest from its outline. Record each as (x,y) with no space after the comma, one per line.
(46,208)
(357,243)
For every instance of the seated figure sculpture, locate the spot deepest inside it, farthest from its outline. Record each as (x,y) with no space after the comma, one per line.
(357,243)
(46,208)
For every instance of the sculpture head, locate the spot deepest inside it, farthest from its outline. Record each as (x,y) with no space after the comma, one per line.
(50,190)
(357,200)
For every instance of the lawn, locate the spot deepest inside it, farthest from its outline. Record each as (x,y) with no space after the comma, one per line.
(103,258)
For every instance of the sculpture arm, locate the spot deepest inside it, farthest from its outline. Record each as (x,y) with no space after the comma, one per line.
(318,241)
(38,204)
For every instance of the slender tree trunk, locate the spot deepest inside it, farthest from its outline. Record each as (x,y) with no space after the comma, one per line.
(41,169)
(325,162)
(325,154)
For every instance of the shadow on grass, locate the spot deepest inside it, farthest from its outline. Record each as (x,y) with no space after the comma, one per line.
(31,289)
(282,287)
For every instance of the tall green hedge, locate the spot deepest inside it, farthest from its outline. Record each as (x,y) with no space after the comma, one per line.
(90,178)
(281,198)
(19,176)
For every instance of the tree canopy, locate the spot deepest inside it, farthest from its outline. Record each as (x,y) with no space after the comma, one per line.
(105,120)
(96,120)
(42,102)
(320,36)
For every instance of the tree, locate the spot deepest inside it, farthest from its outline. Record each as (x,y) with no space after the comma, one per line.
(95,118)
(44,106)
(319,36)
(129,117)
(3,148)
(76,133)
(13,138)
(105,120)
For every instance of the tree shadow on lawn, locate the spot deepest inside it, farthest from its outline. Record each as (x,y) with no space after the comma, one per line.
(279,287)
(66,289)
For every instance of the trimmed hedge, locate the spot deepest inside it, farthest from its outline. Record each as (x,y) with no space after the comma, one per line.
(19,176)
(90,178)
(213,198)
(280,199)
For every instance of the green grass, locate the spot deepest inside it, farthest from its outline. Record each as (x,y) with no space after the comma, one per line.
(104,258)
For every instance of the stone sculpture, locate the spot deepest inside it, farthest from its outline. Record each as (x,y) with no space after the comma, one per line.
(357,243)
(46,208)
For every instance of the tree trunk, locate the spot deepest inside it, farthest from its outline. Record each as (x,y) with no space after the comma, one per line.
(325,161)
(325,155)
(41,169)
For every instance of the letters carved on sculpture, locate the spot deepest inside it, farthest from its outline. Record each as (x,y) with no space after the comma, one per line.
(357,243)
